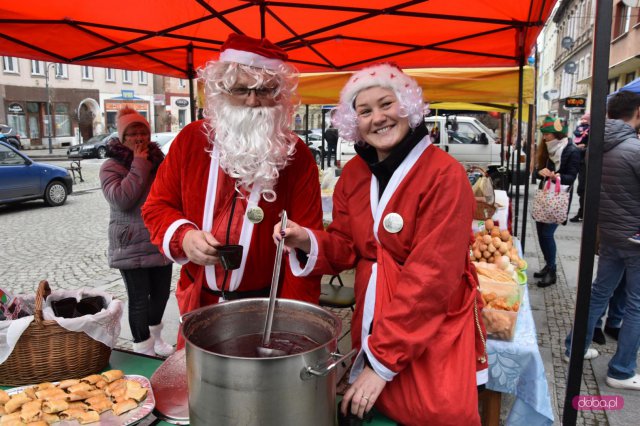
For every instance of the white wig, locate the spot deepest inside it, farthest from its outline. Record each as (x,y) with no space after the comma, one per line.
(389,76)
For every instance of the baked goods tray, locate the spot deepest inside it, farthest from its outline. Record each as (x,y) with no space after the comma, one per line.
(108,418)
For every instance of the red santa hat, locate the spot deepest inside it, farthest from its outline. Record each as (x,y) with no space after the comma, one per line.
(254,52)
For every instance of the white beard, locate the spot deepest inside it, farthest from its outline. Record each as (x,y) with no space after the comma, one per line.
(254,144)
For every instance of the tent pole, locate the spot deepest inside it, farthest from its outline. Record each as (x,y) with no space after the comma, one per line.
(601,46)
(263,29)
(518,143)
(525,201)
(191,76)
(502,140)
(324,149)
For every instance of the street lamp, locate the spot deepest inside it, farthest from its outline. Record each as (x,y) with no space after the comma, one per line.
(50,118)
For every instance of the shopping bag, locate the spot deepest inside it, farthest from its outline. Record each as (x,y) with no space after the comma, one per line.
(484,194)
(551,203)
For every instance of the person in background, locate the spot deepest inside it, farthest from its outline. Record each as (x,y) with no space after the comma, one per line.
(331,136)
(402,214)
(581,140)
(556,157)
(615,314)
(126,178)
(228,177)
(618,218)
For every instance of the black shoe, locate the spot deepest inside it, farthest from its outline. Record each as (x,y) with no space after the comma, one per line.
(612,331)
(598,336)
(548,279)
(576,219)
(541,273)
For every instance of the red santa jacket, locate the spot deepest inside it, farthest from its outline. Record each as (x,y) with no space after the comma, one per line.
(178,197)
(424,334)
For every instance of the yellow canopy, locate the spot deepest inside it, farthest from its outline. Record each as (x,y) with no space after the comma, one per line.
(489,89)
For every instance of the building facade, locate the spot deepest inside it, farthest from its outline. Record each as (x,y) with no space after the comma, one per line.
(65,104)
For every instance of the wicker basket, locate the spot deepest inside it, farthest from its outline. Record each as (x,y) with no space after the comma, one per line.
(48,352)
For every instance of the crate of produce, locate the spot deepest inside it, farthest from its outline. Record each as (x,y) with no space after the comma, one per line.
(502,302)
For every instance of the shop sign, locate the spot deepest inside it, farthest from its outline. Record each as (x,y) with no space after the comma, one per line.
(575,102)
(158,99)
(15,108)
(182,103)
(128,94)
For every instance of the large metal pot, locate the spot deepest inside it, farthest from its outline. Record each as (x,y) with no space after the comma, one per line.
(297,389)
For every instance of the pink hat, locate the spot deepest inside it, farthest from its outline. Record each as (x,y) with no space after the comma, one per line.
(586,117)
(126,117)
(254,52)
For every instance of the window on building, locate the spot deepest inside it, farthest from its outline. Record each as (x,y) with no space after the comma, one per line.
(87,73)
(182,118)
(37,68)
(10,65)
(62,71)
(110,74)
(18,122)
(142,77)
(126,76)
(111,121)
(62,120)
(622,20)
(630,77)
(33,112)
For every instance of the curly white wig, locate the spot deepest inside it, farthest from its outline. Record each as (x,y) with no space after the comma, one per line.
(406,89)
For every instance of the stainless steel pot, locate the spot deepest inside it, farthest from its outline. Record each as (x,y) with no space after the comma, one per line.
(295,389)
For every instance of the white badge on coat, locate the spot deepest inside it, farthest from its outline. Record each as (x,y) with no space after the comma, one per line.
(255,214)
(393,223)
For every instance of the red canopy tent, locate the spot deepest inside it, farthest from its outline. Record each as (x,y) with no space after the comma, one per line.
(174,37)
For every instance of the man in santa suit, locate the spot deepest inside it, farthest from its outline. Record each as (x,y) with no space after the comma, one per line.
(229,176)
(402,214)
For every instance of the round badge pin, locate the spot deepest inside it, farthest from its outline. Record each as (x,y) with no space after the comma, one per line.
(393,223)
(255,214)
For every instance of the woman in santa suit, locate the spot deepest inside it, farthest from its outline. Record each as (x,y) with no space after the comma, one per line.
(402,213)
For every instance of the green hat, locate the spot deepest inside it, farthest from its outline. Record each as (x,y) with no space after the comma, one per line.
(553,125)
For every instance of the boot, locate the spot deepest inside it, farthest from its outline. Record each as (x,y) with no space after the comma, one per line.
(598,336)
(542,272)
(161,347)
(145,347)
(548,279)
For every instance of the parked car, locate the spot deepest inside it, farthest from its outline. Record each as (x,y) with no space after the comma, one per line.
(10,135)
(96,147)
(22,179)
(164,139)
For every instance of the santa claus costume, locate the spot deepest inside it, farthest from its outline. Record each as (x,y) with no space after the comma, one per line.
(193,190)
(417,318)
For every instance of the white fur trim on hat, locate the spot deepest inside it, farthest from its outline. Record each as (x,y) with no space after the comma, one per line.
(126,120)
(251,59)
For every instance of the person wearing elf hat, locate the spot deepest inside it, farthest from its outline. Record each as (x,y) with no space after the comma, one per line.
(126,178)
(228,177)
(556,157)
(402,215)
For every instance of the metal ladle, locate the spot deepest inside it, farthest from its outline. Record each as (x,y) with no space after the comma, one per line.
(265,351)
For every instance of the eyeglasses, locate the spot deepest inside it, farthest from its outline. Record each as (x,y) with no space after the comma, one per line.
(260,92)
(136,134)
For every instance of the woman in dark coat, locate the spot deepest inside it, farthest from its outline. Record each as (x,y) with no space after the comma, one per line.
(126,178)
(557,157)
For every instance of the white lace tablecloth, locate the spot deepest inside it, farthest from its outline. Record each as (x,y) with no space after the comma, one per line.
(516,368)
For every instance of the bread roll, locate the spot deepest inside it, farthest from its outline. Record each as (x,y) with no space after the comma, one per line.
(124,406)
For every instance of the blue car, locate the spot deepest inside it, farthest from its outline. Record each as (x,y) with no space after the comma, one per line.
(22,179)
